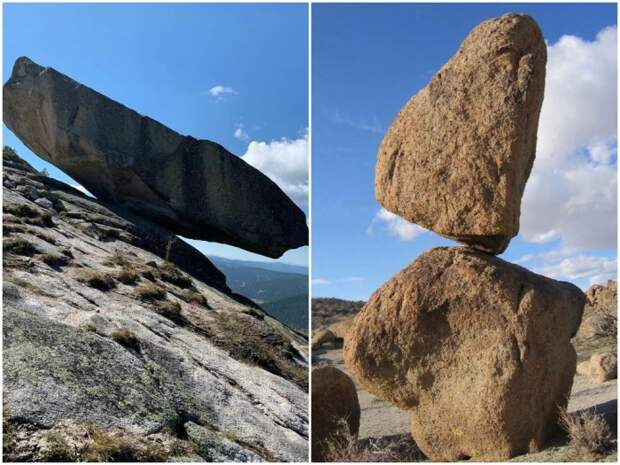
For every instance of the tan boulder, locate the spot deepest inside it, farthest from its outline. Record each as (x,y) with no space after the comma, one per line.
(335,409)
(323,337)
(600,367)
(341,328)
(475,348)
(459,153)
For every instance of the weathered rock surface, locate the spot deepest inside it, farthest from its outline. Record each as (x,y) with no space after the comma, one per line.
(196,357)
(335,408)
(476,349)
(195,188)
(600,367)
(323,337)
(341,328)
(459,153)
(600,315)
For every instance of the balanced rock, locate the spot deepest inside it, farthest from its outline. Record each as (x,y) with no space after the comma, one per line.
(323,337)
(194,187)
(341,328)
(476,349)
(459,153)
(335,409)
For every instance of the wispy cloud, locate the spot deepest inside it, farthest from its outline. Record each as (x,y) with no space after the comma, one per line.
(218,92)
(394,225)
(241,134)
(348,279)
(373,125)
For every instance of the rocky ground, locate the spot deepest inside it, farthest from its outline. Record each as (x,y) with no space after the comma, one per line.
(122,343)
(384,426)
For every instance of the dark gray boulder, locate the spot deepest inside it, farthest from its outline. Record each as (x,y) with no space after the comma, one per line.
(196,188)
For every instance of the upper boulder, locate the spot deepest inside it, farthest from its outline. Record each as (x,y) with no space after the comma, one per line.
(459,153)
(194,187)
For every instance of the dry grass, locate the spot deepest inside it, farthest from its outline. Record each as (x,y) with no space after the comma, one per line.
(254,313)
(19,246)
(345,447)
(100,281)
(588,432)
(170,310)
(58,450)
(128,276)
(54,260)
(125,338)
(107,446)
(151,292)
(170,273)
(195,298)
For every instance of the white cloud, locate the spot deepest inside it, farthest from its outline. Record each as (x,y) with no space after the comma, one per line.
(396,226)
(372,125)
(285,162)
(352,279)
(241,133)
(320,281)
(571,194)
(596,269)
(219,91)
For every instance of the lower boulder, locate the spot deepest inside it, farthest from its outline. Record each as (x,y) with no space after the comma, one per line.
(476,349)
(335,410)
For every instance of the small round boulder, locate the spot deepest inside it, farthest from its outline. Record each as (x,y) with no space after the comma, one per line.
(335,409)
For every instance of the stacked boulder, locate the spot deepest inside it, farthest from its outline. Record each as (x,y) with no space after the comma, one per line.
(476,349)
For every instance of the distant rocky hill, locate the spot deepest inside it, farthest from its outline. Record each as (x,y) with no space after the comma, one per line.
(282,293)
(122,345)
(328,310)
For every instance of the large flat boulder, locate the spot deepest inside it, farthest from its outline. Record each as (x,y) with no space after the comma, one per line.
(196,188)
(476,349)
(459,153)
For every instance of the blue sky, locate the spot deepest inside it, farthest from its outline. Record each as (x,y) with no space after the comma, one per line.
(234,74)
(368,60)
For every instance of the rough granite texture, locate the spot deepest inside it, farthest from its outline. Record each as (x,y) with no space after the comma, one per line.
(476,349)
(195,188)
(458,155)
(62,362)
(335,408)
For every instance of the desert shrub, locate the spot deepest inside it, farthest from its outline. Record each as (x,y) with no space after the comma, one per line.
(118,259)
(125,338)
(101,281)
(19,246)
(108,446)
(252,312)
(91,328)
(45,237)
(54,260)
(22,210)
(108,234)
(588,432)
(58,450)
(195,298)
(148,274)
(128,276)
(345,447)
(606,324)
(151,292)
(170,273)
(170,310)
(67,253)
(10,228)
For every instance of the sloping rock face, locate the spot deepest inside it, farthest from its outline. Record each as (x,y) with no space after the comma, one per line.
(195,188)
(101,330)
(476,349)
(459,153)
(335,410)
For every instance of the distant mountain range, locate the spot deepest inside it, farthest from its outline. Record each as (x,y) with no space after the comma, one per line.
(280,289)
